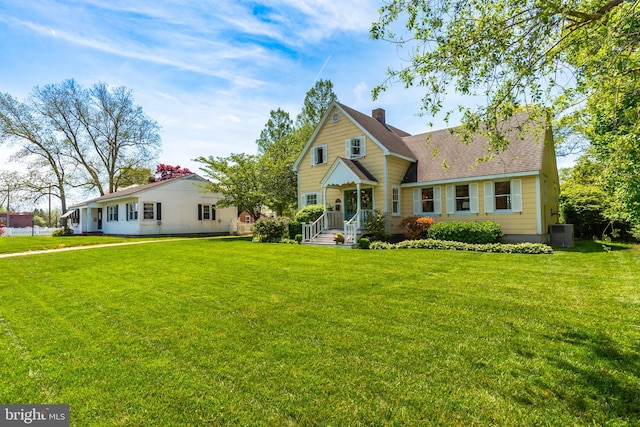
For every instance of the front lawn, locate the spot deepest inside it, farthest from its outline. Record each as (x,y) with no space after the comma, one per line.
(228,332)
(15,244)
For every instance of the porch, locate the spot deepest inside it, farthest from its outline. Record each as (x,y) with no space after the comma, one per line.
(330,223)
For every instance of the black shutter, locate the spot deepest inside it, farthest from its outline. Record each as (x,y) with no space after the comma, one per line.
(199,212)
(213,212)
(158,211)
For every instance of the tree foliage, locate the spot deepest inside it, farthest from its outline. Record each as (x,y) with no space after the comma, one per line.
(574,60)
(280,145)
(238,178)
(164,172)
(83,137)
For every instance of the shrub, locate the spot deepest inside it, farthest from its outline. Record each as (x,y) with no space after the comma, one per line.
(376,225)
(467,232)
(295,228)
(417,227)
(298,238)
(364,243)
(65,231)
(519,248)
(271,230)
(310,214)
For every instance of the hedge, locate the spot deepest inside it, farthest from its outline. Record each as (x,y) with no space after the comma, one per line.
(466,232)
(509,248)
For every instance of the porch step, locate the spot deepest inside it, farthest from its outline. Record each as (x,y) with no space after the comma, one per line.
(326,238)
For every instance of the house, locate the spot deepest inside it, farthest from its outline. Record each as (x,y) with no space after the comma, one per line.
(355,163)
(171,207)
(17,219)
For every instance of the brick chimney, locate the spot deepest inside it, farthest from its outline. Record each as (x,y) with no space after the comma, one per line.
(379,115)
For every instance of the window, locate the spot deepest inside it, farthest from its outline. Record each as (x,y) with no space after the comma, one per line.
(247,219)
(502,195)
(206,212)
(355,147)
(319,155)
(132,211)
(147,211)
(395,201)
(313,198)
(426,201)
(112,213)
(462,198)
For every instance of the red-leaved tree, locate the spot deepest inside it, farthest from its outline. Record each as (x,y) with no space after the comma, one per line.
(164,172)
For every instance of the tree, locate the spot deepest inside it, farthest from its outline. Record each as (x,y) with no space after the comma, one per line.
(316,103)
(164,172)
(238,179)
(280,145)
(134,176)
(548,54)
(278,126)
(85,137)
(574,60)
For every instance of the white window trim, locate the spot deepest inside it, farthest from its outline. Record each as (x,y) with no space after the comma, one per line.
(134,212)
(153,211)
(394,212)
(311,193)
(437,201)
(349,147)
(473,200)
(314,156)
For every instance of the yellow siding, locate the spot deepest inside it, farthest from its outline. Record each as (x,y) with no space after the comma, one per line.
(524,222)
(549,183)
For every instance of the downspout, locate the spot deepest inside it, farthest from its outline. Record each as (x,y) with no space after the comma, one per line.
(538,207)
(386,193)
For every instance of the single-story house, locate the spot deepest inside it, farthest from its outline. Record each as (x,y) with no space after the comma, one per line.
(17,219)
(171,207)
(355,163)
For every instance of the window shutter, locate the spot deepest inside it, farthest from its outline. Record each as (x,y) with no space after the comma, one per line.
(417,201)
(126,211)
(437,201)
(158,211)
(115,216)
(473,198)
(451,199)
(516,195)
(213,212)
(489,201)
(363,148)
(347,145)
(199,212)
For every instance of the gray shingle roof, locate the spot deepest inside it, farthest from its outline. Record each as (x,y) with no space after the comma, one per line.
(389,136)
(442,156)
(137,189)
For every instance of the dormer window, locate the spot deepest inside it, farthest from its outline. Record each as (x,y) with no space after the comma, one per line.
(355,147)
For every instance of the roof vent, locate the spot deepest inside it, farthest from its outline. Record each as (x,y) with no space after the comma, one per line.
(379,115)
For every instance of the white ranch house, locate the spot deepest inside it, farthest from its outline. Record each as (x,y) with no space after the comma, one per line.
(172,207)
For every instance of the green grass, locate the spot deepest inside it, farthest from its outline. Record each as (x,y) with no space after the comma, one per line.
(15,244)
(228,332)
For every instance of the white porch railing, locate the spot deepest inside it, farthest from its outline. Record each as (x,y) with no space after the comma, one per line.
(311,231)
(28,231)
(353,228)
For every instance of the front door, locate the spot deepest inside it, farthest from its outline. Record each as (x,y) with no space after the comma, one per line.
(100,219)
(351,202)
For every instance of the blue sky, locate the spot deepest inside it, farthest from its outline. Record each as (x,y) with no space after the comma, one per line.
(209,72)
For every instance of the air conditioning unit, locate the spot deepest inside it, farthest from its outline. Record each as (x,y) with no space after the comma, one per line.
(561,235)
